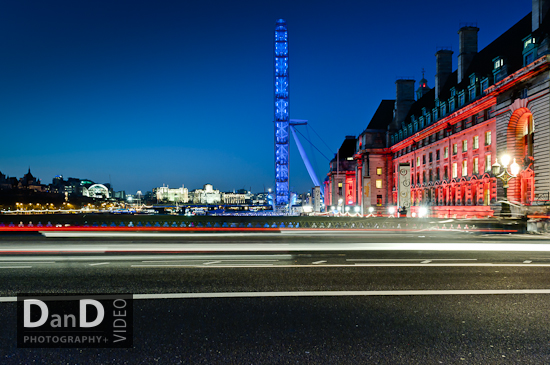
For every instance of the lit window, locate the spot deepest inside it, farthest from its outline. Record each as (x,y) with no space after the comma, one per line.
(464,168)
(455,149)
(446,152)
(455,170)
(378,171)
(464,146)
(418,161)
(476,142)
(379,184)
(487,162)
(488,138)
(475,168)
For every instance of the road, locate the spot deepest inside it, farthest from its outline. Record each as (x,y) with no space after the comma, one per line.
(307,297)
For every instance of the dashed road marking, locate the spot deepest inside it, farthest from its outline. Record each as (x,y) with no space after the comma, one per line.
(100,263)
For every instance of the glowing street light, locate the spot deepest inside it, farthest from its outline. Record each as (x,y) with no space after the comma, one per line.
(505,176)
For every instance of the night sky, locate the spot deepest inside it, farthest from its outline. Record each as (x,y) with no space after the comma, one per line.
(146,93)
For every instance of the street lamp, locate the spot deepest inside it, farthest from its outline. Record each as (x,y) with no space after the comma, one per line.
(505,176)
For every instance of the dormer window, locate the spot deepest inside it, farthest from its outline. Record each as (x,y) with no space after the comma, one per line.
(484,84)
(415,127)
(451,105)
(473,79)
(428,118)
(442,109)
(498,63)
(529,50)
(453,92)
(528,42)
(435,114)
(461,98)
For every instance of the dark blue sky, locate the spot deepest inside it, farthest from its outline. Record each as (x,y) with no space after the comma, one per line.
(145,93)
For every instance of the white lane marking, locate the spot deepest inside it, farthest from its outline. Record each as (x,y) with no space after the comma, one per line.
(100,263)
(214,265)
(426,261)
(445,265)
(27,262)
(319,262)
(328,294)
(410,259)
(338,293)
(208,263)
(347,265)
(527,262)
(15,267)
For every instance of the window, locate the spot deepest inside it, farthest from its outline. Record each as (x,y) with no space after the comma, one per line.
(455,170)
(451,105)
(464,146)
(446,152)
(488,138)
(445,173)
(455,149)
(461,99)
(529,58)
(484,84)
(339,188)
(431,175)
(435,114)
(437,155)
(430,157)
(464,168)
(475,168)
(472,94)
(379,200)
(378,171)
(476,142)
(379,183)
(423,159)
(417,161)
(498,63)
(487,163)
(437,174)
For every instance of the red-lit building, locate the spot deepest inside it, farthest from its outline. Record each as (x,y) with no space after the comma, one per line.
(497,101)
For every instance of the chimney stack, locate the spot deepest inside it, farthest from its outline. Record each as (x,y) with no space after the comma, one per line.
(540,8)
(467,44)
(404,99)
(444,65)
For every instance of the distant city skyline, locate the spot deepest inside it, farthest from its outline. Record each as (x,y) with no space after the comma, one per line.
(141,94)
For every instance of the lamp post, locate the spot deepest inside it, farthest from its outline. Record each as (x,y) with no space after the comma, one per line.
(505,176)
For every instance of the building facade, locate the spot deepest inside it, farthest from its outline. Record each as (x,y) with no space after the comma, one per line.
(166,195)
(496,102)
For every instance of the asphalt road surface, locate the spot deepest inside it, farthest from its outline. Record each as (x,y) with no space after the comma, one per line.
(308,297)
